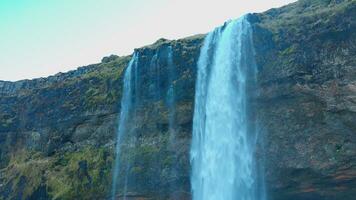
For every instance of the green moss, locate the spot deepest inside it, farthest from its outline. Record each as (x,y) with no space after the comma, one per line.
(290,50)
(168,161)
(103,85)
(299,15)
(136,170)
(63,175)
(25,171)
(75,181)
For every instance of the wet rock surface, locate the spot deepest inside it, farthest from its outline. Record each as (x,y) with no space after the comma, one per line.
(306,102)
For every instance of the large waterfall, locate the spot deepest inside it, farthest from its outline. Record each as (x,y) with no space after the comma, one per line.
(222,152)
(126,102)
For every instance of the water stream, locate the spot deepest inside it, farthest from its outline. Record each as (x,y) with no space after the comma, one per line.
(223,144)
(126,104)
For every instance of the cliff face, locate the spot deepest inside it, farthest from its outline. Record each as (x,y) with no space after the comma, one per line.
(57,134)
(53,132)
(306,54)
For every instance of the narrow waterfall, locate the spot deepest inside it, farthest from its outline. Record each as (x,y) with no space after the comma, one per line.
(126,102)
(223,144)
(171,94)
(172,143)
(155,67)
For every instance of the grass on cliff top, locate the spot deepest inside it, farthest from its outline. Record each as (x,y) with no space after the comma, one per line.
(112,69)
(302,11)
(103,85)
(183,41)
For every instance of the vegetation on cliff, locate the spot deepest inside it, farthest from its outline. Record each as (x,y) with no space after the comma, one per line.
(57,134)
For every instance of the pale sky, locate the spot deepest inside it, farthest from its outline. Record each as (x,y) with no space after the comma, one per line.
(39,38)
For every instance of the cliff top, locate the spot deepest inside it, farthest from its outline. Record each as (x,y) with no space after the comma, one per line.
(293,15)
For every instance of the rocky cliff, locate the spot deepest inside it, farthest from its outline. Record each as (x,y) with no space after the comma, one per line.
(306,54)
(57,134)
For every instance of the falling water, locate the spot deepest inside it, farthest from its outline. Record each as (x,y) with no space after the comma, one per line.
(171,95)
(222,152)
(172,142)
(124,115)
(155,66)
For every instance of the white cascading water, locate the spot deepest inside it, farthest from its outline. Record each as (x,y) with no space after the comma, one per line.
(222,151)
(171,95)
(126,102)
(172,143)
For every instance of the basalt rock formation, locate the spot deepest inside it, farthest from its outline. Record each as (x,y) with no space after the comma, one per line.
(58,134)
